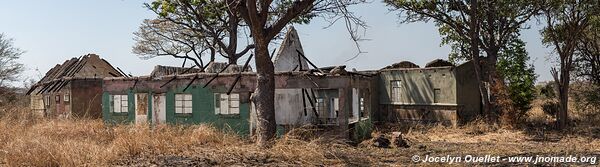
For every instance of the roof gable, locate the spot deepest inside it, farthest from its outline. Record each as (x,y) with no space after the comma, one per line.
(287,58)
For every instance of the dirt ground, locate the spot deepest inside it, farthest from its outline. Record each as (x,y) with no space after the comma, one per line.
(534,138)
(436,141)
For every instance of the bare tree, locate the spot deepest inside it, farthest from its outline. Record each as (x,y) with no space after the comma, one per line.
(213,23)
(9,67)
(158,37)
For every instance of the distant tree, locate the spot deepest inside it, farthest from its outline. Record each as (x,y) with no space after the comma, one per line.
(518,74)
(9,67)
(471,26)
(566,22)
(265,21)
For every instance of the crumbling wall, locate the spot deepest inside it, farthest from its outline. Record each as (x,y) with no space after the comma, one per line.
(37,104)
(420,113)
(204,98)
(418,86)
(86,98)
(468,95)
(287,58)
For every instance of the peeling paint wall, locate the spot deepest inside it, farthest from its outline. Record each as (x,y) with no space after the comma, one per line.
(203,109)
(287,58)
(438,94)
(37,104)
(418,85)
(142,106)
(202,100)
(86,98)
(290,101)
(468,95)
(420,113)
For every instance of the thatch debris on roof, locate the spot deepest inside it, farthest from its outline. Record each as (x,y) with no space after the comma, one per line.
(216,67)
(439,63)
(402,64)
(169,70)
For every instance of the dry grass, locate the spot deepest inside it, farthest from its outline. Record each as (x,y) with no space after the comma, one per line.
(27,140)
(32,141)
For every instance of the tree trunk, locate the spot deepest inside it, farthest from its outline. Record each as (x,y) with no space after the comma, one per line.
(493,80)
(232,60)
(482,88)
(563,95)
(264,96)
(474,41)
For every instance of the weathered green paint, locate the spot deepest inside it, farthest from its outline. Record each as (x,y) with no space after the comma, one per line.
(150,102)
(203,110)
(131,106)
(280,131)
(110,117)
(106,115)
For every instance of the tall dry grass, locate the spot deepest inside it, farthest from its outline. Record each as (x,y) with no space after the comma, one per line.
(29,140)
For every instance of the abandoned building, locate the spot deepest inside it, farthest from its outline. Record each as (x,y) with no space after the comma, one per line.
(439,92)
(327,97)
(73,88)
(347,103)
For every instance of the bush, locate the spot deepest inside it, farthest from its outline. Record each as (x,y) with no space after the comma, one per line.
(547,90)
(586,102)
(550,107)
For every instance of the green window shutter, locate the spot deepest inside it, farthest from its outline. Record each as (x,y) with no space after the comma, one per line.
(217,103)
(111,103)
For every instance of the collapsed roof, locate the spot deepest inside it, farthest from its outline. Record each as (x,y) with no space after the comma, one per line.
(402,64)
(216,67)
(87,66)
(168,70)
(439,63)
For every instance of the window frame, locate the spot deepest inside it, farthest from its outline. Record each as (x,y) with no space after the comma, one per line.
(361,107)
(47,100)
(184,99)
(395,96)
(437,92)
(320,105)
(334,107)
(66,98)
(232,104)
(123,104)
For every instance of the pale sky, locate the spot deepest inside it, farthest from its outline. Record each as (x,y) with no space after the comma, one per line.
(53,31)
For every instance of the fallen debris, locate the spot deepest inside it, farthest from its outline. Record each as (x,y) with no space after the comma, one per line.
(381,141)
(399,141)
